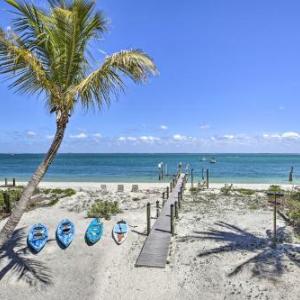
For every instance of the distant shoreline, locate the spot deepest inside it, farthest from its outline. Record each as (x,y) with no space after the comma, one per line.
(147,185)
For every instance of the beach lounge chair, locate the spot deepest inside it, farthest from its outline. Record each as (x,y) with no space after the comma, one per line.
(135,188)
(103,188)
(120,188)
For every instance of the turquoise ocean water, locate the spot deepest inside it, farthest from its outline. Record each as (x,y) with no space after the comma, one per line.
(238,168)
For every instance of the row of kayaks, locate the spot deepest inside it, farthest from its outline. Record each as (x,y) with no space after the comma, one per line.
(65,232)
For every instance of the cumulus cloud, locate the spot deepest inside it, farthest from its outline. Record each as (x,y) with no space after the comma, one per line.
(289,135)
(30,133)
(163,127)
(179,137)
(97,135)
(149,138)
(81,135)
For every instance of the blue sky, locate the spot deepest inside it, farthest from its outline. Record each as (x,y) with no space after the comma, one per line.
(229,82)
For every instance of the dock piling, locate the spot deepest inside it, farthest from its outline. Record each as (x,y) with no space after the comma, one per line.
(14,182)
(148,218)
(176,210)
(172,219)
(207,178)
(157,208)
(5,182)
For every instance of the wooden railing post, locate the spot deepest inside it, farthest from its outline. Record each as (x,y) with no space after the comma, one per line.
(171,185)
(179,199)
(176,210)
(148,218)
(207,178)
(167,192)
(157,208)
(14,182)
(172,219)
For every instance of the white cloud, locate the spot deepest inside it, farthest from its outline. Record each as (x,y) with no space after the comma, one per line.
(179,137)
(163,127)
(31,133)
(281,108)
(81,135)
(50,136)
(149,138)
(97,135)
(289,135)
(127,138)
(228,137)
(204,126)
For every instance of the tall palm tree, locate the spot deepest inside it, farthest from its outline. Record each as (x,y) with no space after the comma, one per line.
(47,52)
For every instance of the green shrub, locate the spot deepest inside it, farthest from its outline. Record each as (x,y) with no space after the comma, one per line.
(60,193)
(293,207)
(275,188)
(104,209)
(193,190)
(247,192)
(295,196)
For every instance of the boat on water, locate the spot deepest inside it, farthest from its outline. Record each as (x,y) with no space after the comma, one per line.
(94,231)
(65,233)
(37,237)
(212,161)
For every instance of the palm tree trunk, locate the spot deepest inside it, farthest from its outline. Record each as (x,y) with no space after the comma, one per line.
(17,213)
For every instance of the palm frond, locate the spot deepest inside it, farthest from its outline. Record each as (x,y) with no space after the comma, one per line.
(99,85)
(21,65)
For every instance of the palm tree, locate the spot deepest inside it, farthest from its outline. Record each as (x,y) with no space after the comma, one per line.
(47,52)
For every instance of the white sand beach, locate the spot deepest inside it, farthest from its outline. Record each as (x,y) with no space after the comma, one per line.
(242,266)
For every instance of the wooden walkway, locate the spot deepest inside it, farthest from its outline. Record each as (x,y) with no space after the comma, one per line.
(156,247)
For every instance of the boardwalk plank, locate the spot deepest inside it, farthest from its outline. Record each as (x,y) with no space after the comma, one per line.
(156,247)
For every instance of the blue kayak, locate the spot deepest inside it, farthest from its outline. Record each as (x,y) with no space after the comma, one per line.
(65,233)
(120,232)
(37,237)
(94,231)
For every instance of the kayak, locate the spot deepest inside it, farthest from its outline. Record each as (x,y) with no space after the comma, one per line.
(37,237)
(65,233)
(94,231)
(120,232)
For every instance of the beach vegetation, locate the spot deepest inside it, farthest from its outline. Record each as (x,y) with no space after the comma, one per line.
(46,52)
(275,188)
(103,209)
(246,192)
(60,193)
(226,189)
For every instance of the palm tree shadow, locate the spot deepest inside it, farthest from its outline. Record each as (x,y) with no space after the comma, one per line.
(268,261)
(25,268)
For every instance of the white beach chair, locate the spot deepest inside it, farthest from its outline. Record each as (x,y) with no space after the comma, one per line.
(135,188)
(120,188)
(103,188)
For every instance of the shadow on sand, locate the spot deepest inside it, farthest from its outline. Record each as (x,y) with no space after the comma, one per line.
(267,260)
(20,262)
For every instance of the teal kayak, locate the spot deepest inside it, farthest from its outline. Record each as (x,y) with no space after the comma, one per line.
(94,231)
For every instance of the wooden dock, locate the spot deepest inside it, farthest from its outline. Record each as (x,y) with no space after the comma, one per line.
(156,247)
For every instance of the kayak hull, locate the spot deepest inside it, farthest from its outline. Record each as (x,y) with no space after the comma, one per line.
(65,233)
(120,232)
(94,231)
(37,237)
